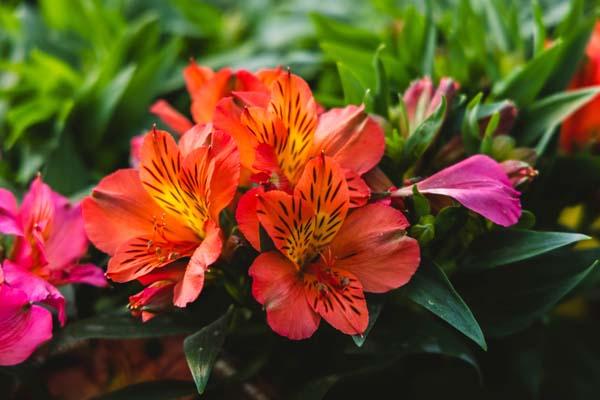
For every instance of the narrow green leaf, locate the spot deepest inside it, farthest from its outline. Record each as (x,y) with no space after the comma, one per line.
(375,304)
(508,246)
(354,91)
(202,348)
(550,111)
(524,84)
(430,288)
(420,140)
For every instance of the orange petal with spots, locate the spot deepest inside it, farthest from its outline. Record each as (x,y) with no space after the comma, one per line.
(228,119)
(142,255)
(358,190)
(120,209)
(246,217)
(323,186)
(293,102)
(337,296)
(289,221)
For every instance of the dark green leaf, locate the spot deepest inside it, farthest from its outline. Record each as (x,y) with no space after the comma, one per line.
(202,348)
(430,288)
(354,90)
(507,246)
(424,134)
(375,304)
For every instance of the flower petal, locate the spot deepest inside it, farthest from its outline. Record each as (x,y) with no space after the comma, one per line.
(350,137)
(358,190)
(338,297)
(247,218)
(89,274)
(176,121)
(67,241)
(277,286)
(224,172)
(228,119)
(372,244)
(9,221)
(23,327)
(195,77)
(478,183)
(197,136)
(209,94)
(120,209)
(188,289)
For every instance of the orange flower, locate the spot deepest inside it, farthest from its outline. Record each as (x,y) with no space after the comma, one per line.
(327,256)
(279,133)
(167,211)
(206,88)
(582,129)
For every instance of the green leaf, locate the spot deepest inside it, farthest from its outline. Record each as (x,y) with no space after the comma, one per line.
(156,390)
(329,30)
(507,246)
(202,348)
(354,90)
(375,304)
(550,111)
(430,288)
(509,299)
(524,84)
(381,90)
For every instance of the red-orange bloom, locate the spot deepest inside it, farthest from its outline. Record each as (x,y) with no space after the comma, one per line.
(167,211)
(206,88)
(582,129)
(279,133)
(327,255)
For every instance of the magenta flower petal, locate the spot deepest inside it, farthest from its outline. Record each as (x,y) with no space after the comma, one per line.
(89,274)
(9,222)
(23,327)
(37,289)
(478,183)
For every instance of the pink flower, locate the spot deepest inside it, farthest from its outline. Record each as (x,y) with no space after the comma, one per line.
(422,98)
(49,241)
(478,183)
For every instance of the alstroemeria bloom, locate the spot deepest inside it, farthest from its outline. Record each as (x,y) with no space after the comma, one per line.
(479,183)
(49,241)
(166,211)
(326,256)
(206,88)
(582,129)
(279,133)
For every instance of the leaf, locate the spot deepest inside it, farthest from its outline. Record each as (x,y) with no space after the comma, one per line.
(329,30)
(155,390)
(381,91)
(354,90)
(524,84)
(202,348)
(430,288)
(508,246)
(509,299)
(550,111)
(375,304)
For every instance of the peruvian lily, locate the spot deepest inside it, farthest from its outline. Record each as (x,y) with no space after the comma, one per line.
(479,183)
(327,256)
(206,88)
(49,241)
(164,217)
(277,136)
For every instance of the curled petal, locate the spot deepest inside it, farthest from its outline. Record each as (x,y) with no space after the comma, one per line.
(9,221)
(88,274)
(224,172)
(277,285)
(152,300)
(247,218)
(372,244)
(351,137)
(478,183)
(176,121)
(195,77)
(23,327)
(188,289)
(228,119)
(194,138)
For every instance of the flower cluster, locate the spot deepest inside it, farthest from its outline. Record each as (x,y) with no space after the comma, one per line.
(48,242)
(306,207)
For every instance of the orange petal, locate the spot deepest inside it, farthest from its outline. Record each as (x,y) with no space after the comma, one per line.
(188,289)
(323,186)
(289,222)
(373,246)
(195,77)
(228,119)
(224,172)
(209,94)
(351,137)
(247,218)
(358,190)
(120,209)
(140,256)
(277,286)
(293,103)
(178,191)
(196,137)
(171,117)
(270,75)
(337,296)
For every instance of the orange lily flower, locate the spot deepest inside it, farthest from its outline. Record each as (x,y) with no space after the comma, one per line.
(327,255)
(278,134)
(166,211)
(206,88)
